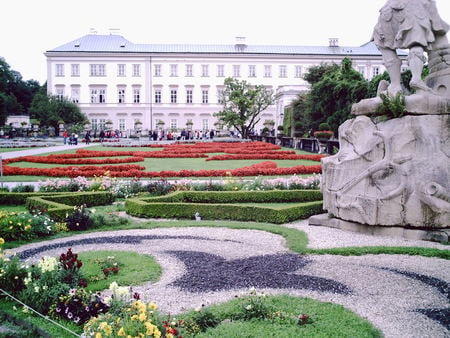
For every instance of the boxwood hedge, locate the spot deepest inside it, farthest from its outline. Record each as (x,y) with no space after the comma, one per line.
(59,205)
(225,205)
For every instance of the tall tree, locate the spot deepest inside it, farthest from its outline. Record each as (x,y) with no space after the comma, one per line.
(243,104)
(16,94)
(49,110)
(333,91)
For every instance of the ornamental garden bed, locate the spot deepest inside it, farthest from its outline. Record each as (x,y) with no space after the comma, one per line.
(230,205)
(214,159)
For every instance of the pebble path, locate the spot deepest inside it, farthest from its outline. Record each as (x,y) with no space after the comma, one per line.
(404,296)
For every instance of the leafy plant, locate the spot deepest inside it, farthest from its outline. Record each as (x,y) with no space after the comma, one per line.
(392,106)
(80,219)
(253,306)
(78,306)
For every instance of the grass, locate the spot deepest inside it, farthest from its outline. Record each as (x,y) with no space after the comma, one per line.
(7,150)
(15,311)
(327,320)
(13,208)
(135,269)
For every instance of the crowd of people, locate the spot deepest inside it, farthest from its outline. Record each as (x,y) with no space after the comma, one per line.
(184,134)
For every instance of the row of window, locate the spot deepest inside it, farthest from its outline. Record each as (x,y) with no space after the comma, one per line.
(98,95)
(236,71)
(97,69)
(174,96)
(99,124)
(100,70)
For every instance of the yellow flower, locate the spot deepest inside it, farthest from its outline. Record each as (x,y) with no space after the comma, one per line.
(134,317)
(152,306)
(169,335)
(150,328)
(98,335)
(121,332)
(2,241)
(108,330)
(102,325)
(142,317)
(156,333)
(27,227)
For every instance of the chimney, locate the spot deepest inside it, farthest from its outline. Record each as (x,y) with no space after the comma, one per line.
(240,44)
(333,42)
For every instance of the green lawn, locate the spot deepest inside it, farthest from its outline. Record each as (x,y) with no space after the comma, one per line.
(135,269)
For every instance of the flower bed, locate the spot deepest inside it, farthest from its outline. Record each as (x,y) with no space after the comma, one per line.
(235,151)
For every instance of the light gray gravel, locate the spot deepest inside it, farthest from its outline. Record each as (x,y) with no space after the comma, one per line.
(324,238)
(385,298)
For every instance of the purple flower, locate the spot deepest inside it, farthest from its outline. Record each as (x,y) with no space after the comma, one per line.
(70,315)
(58,309)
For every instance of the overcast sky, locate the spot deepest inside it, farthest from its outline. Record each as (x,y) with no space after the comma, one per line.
(30,27)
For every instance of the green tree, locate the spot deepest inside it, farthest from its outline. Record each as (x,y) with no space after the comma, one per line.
(301,117)
(243,104)
(49,110)
(333,91)
(15,94)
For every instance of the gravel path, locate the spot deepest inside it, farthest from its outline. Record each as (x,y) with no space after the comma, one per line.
(404,296)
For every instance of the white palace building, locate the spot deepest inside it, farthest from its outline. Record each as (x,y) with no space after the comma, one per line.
(113,79)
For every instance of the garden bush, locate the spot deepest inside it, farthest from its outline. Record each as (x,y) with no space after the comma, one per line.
(224,205)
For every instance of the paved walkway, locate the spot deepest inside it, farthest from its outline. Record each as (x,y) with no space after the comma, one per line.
(43,150)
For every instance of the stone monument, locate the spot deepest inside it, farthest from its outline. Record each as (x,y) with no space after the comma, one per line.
(392,172)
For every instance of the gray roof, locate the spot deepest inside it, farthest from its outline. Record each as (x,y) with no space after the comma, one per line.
(112,43)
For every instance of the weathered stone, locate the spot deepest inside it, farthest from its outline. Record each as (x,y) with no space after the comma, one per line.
(391,173)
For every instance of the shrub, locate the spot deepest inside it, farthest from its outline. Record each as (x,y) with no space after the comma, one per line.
(24,226)
(324,126)
(253,306)
(109,220)
(158,188)
(80,219)
(23,188)
(200,321)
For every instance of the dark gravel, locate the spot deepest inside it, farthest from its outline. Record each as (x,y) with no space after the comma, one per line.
(442,316)
(109,240)
(207,272)
(440,285)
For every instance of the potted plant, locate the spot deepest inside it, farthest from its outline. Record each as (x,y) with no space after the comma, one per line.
(324,132)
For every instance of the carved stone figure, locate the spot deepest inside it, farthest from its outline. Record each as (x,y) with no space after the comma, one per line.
(395,173)
(409,24)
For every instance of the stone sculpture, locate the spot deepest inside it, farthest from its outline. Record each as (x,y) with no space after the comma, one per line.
(396,172)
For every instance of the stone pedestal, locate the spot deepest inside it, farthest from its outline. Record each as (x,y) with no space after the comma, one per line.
(394,173)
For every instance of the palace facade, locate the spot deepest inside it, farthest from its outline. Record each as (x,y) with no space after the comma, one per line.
(174,86)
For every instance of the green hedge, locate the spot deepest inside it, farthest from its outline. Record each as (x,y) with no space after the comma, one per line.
(18,198)
(279,196)
(58,206)
(220,205)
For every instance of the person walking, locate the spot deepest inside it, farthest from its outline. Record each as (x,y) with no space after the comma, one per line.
(64,136)
(87,137)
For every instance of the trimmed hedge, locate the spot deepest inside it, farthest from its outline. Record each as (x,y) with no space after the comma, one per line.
(221,205)
(278,196)
(58,206)
(18,198)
